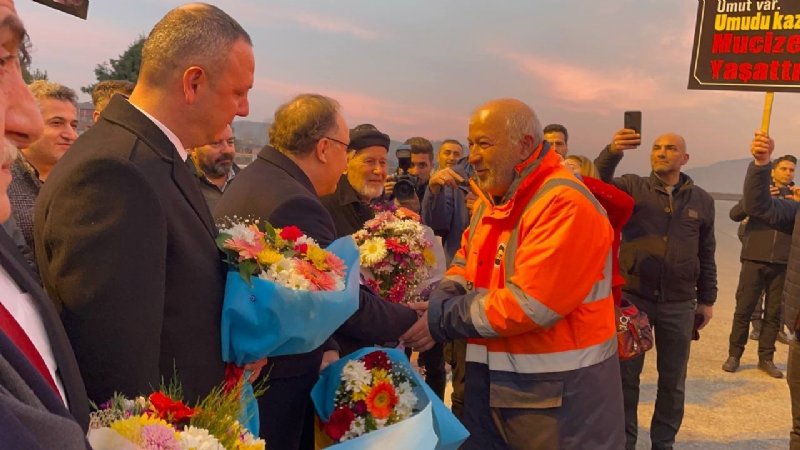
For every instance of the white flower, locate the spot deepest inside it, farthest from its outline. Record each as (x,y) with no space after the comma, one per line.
(306,240)
(357,427)
(406,400)
(240,231)
(355,376)
(192,438)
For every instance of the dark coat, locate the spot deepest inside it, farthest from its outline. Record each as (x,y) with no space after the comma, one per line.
(18,269)
(349,214)
(783,215)
(668,245)
(125,246)
(32,416)
(761,242)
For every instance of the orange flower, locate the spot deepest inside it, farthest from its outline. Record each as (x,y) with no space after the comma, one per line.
(381,399)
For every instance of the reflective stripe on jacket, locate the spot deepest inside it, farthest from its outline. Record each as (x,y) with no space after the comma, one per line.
(535,274)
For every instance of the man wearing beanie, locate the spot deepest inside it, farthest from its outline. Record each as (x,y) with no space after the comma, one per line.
(362,181)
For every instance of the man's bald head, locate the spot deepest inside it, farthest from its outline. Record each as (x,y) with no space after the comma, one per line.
(518,118)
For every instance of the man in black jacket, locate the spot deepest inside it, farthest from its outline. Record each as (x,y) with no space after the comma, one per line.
(782,214)
(765,252)
(667,259)
(124,240)
(309,140)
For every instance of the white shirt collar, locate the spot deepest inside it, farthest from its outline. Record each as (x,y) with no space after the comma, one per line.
(170,135)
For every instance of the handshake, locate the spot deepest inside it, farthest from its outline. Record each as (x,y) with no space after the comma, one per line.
(418,337)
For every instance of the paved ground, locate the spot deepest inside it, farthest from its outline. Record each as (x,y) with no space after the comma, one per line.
(746,410)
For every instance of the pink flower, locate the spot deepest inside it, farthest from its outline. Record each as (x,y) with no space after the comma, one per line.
(159,437)
(321,280)
(246,249)
(335,264)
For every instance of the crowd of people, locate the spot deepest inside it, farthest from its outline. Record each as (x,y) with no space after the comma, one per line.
(112,280)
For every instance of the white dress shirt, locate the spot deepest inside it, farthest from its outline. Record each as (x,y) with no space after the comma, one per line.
(170,135)
(25,312)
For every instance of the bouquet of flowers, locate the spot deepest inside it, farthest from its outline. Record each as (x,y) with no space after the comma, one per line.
(372,398)
(284,294)
(282,255)
(161,421)
(373,394)
(396,253)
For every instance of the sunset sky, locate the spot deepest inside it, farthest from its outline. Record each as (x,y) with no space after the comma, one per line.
(417,67)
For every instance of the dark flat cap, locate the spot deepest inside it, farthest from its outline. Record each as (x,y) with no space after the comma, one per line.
(366,135)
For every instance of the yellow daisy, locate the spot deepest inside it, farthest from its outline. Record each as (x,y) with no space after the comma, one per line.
(372,251)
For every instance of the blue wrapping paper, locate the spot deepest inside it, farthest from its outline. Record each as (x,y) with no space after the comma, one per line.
(434,427)
(266,319)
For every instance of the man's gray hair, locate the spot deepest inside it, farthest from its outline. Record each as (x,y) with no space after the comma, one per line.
(43,90)
(301,122)
(523,121)
(194,34)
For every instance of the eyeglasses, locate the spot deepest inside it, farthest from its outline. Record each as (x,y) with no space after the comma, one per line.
(346,146)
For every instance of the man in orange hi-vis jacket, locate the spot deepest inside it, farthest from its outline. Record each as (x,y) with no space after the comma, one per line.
(531,288)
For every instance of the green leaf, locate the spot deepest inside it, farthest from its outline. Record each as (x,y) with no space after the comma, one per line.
(270,231)
(220,240)
(246,270)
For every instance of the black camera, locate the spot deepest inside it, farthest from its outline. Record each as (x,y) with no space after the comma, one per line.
(405,187)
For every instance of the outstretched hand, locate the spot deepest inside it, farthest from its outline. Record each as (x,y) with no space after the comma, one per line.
(762,147)
(625,139)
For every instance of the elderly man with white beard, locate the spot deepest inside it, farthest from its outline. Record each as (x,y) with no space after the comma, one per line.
(362,182)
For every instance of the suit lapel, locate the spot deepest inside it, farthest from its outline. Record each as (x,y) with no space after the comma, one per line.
(121,112)
(188,185)
(59,342)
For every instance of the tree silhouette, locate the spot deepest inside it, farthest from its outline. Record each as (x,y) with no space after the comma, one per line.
(125,67)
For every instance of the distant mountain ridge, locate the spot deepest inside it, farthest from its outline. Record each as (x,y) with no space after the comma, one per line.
(725,177)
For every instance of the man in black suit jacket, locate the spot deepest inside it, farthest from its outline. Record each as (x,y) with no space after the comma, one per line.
(310,139)
(33,414)
(124,239)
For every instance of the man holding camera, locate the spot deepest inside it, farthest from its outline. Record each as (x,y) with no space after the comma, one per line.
(415,159)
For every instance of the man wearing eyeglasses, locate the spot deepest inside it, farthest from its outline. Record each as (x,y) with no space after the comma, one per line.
(214,166)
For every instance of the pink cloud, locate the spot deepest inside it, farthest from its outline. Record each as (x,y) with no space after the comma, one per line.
(323,23)
(400,120)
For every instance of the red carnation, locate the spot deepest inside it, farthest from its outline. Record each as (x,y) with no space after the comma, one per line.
(173,411)
(377,360)
(339,423)
(291,233)
(301,248)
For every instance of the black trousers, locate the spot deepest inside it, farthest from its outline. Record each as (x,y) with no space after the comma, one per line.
(793,379)
(754,278)
(456,355)
(433,362)
(286,413)
(672,325)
